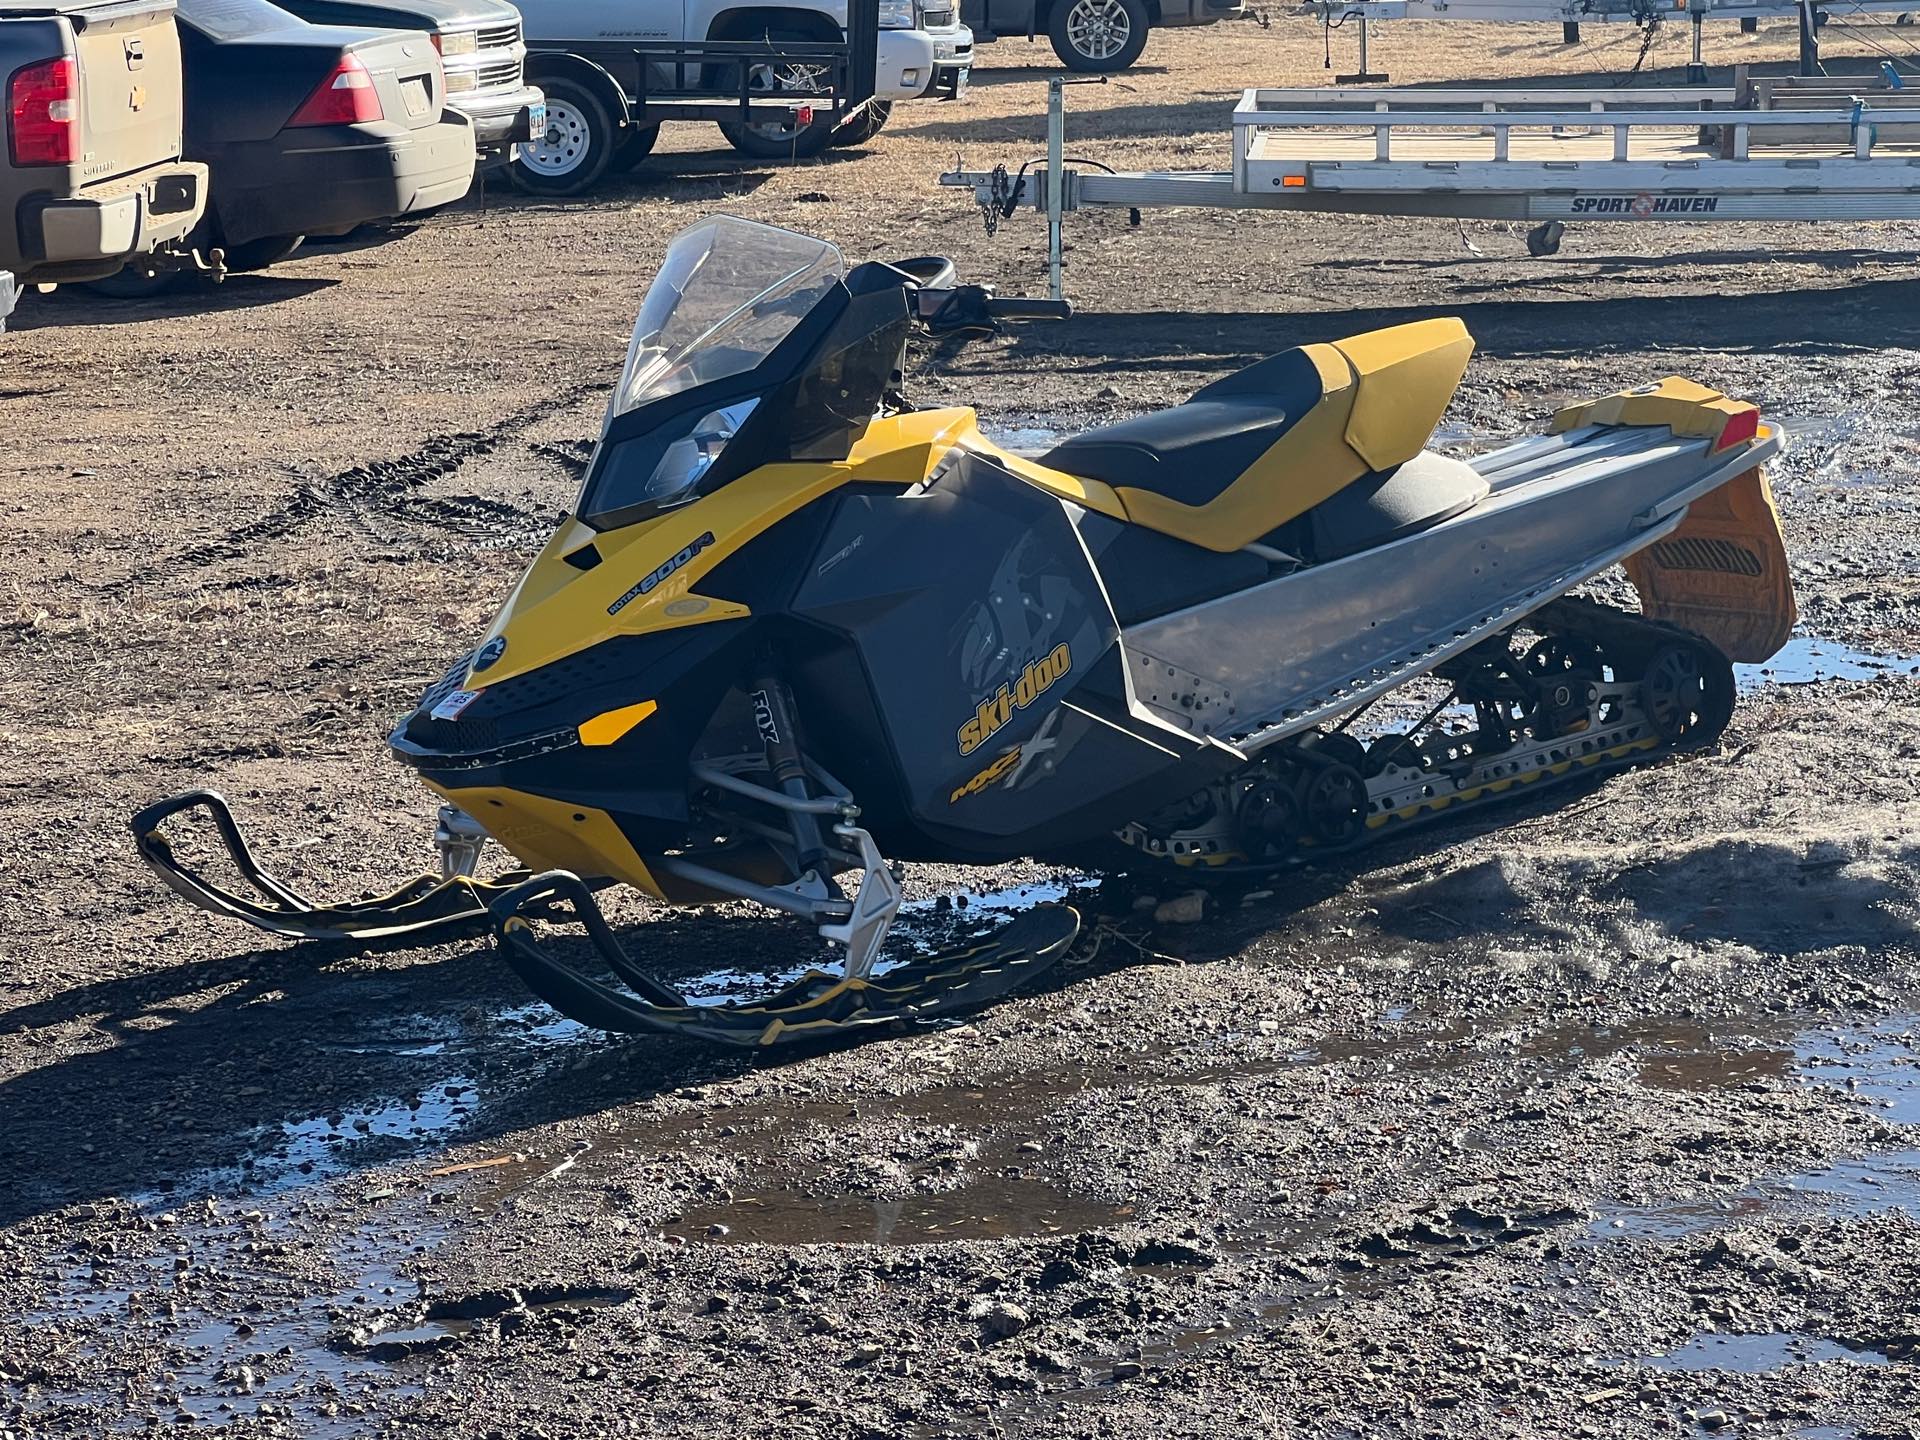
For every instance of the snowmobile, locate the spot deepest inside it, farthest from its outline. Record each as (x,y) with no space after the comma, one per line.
(796,630)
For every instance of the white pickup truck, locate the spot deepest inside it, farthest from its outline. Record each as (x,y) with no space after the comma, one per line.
(599,114)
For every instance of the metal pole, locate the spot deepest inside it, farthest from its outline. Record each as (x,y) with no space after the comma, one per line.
(1697,69)
(1056,181)
(1809,40)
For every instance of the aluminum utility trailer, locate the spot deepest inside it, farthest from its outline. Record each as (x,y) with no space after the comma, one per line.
(1571,14)
(1765,150)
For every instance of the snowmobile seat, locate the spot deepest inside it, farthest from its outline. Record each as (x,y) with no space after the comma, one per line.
(1249,453)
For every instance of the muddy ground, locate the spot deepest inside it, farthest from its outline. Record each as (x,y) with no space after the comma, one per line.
(1598,1120)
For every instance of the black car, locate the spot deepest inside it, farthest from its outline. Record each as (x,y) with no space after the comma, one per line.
(307,130)
(480,44)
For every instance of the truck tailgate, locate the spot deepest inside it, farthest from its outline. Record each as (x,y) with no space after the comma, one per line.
(129,86)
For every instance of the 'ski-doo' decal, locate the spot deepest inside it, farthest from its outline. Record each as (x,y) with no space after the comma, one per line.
(647,585)
(986,777)
(994,712)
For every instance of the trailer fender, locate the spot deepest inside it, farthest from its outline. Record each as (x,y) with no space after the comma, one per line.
(544,65)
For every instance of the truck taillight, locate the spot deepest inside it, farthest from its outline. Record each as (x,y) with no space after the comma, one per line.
(43,113)
(345,97)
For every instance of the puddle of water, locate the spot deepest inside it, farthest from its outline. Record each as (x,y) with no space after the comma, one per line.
(991,1208)
(1880,1062)
(1809,660)
(1758,1354)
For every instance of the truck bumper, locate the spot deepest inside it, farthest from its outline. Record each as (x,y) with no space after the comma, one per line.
(325,180)
(905,66)
(501,119)
(90,234)
(952,64)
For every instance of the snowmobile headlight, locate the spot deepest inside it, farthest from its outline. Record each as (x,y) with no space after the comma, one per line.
(897,15)
(692,455)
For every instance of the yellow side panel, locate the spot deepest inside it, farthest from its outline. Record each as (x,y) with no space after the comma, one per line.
(610,725)
(549,835)
(557,609)
(1686,408)
(1406,377)
(1723,574)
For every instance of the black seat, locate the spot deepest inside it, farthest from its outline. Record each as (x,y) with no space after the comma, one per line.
(1193,452)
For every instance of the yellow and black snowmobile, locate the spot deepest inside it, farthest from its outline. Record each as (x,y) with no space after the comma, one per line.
(796,626)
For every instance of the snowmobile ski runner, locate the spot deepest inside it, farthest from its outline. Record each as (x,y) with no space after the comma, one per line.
(797,629)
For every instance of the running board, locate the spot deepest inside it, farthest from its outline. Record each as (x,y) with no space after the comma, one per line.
(1261,664)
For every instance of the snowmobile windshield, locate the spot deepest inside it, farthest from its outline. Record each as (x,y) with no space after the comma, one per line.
(728,291)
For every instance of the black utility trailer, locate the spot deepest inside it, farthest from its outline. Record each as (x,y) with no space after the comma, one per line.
(606,99)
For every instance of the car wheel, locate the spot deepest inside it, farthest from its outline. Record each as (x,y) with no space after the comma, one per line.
(779,139)
(134,282)
(575,149)
(869,122)
(1098,36)
(635,145)
(259,254)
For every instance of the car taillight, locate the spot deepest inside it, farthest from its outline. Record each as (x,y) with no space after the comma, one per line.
(345,97)
(43,113)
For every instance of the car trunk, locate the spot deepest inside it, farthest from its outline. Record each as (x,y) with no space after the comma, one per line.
(129,55)
(406,76)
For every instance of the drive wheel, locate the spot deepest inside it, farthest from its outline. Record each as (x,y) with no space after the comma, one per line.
(1266,822)
(780,139)
(1687,693)
(869,122)
(1098,37)
(636,143)
(576,148)
(262,253)
(1333,802)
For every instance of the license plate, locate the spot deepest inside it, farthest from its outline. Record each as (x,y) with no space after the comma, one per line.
(414,92)
(960,85)
(537,122)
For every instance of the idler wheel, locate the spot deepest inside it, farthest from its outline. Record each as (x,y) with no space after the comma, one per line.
(1333,802)
(1686,691)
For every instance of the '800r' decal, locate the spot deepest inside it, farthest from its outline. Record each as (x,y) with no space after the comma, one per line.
(993,713)
(666,569)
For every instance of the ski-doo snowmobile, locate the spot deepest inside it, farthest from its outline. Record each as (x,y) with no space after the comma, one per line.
(797,629)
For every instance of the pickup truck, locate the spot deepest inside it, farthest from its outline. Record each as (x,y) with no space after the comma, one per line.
(597,118)
(91,173)
(1094,36)
(481,48)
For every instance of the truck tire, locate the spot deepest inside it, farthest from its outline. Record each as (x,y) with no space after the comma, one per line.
(1098,37)
(869,122)
(636,143)
(262,253)
(773,140)
(576,149)
(135,282)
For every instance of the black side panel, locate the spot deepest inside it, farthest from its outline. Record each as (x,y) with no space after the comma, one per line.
(1149,574)
(972,617)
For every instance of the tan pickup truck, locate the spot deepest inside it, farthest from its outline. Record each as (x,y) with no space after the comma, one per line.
(90,172)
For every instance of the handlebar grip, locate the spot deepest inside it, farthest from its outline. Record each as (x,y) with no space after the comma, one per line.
(1015,307)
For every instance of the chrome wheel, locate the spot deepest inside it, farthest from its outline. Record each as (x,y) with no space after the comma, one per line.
(563,147)
(1099,29)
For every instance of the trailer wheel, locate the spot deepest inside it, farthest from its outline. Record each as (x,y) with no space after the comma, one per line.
(1544,239)
(778,139)
(869,122)
(1098,36)
(576,149)
(635,145)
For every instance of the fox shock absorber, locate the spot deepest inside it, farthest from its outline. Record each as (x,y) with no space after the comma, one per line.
(773,717)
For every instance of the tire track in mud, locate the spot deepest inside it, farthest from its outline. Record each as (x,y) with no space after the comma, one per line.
(378,487)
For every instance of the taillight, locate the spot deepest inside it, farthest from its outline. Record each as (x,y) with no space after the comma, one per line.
(1742,426)
(345,97)
(43,113)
